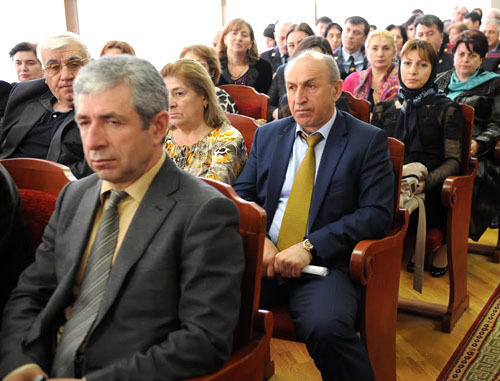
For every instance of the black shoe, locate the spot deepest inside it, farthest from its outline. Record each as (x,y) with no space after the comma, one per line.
(437,272)
(410,267)
(494,223)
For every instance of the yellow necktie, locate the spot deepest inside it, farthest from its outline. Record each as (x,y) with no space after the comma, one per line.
(294,223)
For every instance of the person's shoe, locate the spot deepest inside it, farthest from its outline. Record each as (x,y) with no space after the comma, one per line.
(494,223)
(437,272)
(410,267)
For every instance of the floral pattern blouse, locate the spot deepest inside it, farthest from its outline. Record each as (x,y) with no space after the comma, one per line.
(220,155)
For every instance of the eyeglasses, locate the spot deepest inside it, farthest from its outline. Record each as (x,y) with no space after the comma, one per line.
(73,65)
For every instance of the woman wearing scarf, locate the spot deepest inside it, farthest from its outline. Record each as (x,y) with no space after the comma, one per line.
(379,82)
(480,89)
(430,125)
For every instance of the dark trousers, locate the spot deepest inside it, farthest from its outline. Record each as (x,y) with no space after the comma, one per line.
(324,311)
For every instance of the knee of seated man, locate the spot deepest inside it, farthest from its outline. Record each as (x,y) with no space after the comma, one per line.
(322,328)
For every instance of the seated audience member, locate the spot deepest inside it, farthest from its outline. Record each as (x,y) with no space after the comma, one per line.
(417,12)
(472,20)
(133,279)
(295,35)
(314,174)
(117,47)
(372,28)
(454,31)
(380,81)
(493,13)
(39,120)
(430,126)
(278,55)
(479,11)
(269,35)
(199,139)
(400,37)
(471,85)
(410,27)
(430,28)
(321,25)
(26,62)
(492,60)
(351,55)
(14,239)
(333,33)
(5,88)
(240,60)
(207,57)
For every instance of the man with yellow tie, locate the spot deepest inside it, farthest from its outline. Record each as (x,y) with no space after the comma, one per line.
(325,180)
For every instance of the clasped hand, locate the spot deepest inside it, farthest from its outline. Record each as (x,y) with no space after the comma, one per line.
(287,263)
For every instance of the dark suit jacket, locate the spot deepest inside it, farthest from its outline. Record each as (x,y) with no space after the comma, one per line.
(492,61)
(353,194)
(339,59)
(173,294)
(273,56)
(28,102)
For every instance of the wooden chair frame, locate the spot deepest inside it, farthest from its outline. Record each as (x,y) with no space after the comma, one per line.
(456,198)
(245,125)
(359,108)
(241,93)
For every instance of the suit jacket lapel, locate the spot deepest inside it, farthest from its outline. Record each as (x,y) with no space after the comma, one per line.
(334,149)
(150,215)
(278,166)
(55,145)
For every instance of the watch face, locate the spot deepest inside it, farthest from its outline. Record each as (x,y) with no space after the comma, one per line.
(307,245)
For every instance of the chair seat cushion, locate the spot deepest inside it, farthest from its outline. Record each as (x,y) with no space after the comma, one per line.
(434,240)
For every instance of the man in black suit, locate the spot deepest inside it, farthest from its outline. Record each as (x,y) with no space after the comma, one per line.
(139,271)
(39,119)
(351,55)
(431,28)
(492,60)
(279,54)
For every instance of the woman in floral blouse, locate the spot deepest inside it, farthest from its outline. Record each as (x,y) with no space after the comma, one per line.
(200,139)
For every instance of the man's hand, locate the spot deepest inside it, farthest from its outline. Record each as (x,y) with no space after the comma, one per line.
(420,187)
(270,252)
(290,262)
(27,374)
(474,146)
(275,114)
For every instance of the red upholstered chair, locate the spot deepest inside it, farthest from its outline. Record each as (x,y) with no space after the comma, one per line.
(492,251)
(375,265)
(248,100)
(359,108)
(245,125)
(250,360)
(39,183)
(456,198)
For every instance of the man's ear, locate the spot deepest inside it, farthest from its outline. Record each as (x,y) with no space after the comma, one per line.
(159,124)
(337,89)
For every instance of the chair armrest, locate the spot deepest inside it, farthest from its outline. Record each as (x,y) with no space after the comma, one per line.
(367,252)
(453,185)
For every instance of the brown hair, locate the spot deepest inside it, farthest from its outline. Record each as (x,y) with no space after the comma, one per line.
(208,54)
(425,50)
(196,77)
(252,54)
(125,47)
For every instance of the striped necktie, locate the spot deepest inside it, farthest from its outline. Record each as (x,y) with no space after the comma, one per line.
(294,223)
(86,306)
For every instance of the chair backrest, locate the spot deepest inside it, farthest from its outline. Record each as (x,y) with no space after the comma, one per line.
(253,231)
(468,126)
(248,100)
(39,183)
(397,152)
(245,125)
(359,108)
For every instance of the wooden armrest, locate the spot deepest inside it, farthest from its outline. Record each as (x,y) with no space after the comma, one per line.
(264,321)
(366,252)
(453,184)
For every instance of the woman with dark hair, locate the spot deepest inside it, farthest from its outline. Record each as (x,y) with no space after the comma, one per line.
(294,37)
(333,33)
(207,57)
(400,37)
(117,47)
(240,60)
(470,84)
(200,139)
(430,125)
(410,27)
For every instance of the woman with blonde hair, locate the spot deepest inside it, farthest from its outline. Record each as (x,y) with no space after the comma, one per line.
(200,139)
(240,60)
(207,57)
(117,47)
(379,82)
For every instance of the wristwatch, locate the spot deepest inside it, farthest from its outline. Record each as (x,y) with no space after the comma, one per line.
(307,245)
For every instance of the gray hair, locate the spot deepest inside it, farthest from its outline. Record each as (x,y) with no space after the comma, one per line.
(56,42)
(331,65)
(149,94)
(493,21)
(496,13)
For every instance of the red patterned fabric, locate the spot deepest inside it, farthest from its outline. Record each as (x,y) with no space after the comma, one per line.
(38,207)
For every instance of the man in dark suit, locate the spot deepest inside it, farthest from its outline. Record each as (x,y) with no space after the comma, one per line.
(348,198)
(39,119)
(146,288)
(492,59)
(431,28)
(279,54)
(351,55)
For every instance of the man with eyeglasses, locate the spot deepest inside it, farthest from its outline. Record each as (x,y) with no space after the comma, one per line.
(39,118)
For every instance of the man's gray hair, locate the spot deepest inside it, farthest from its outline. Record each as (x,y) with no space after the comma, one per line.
(493,21)
(56,42)
(495,12)
(149,94)
(331,65)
